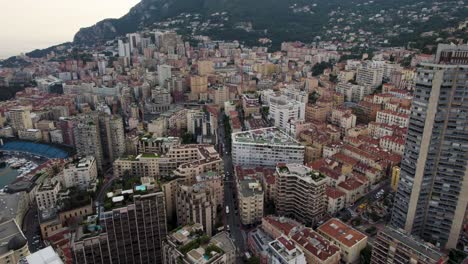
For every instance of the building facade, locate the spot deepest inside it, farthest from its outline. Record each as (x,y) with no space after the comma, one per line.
(432,194)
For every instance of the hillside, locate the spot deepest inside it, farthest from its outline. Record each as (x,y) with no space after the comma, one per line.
(281,20)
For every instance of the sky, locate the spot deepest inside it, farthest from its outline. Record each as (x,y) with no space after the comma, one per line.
(26,25)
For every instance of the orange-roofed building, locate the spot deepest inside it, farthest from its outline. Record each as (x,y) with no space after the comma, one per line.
(350,241)
(316,248)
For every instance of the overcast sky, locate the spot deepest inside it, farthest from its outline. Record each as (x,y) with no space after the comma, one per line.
(29,24)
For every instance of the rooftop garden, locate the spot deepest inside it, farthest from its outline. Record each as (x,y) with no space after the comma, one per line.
(194,244)
(316,176)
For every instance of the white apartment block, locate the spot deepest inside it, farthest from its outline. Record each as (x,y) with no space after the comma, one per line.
(265,147)
(353,92)
(284,251)
(392,118)
(81,173)
(46,194)
(370,73)
(393,143)
(283,110)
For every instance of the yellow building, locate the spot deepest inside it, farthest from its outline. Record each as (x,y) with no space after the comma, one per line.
(13,243)
(199,84)
(395,177)
(205,67)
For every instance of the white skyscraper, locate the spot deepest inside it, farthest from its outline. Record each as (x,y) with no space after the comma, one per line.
(164,73)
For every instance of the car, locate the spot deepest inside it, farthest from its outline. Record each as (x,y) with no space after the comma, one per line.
(228,228)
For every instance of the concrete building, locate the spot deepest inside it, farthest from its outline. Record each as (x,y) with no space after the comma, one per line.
(392,118)
(44,256)
(46,194)
(81,173)
(392,245)
(370,73)
(316,248)
(353,92)
(283,110)
(284,251)
(250,148)
(87,138)
(13,243)
(350,241)
(198,86)
(196,204)
(205,67)
(164,73)
(432,195)
(132,232)
(344,119)
(250,196)
(300,193)
(112,136)
(30,134)
(20,119)
(219,249)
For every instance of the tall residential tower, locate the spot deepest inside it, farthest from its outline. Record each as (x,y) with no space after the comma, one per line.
(432,195)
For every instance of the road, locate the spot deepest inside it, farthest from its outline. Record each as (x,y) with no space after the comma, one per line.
(232,219)
(108,180)
(31,229)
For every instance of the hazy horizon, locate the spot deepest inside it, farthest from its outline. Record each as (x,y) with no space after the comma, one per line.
(30,24)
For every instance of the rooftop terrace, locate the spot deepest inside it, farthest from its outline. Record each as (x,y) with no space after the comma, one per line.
(265,136)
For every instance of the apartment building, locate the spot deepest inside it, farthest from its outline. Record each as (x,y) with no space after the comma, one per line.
(186,161)
(391,118)
(132,232)
(196,204)
(431,198)
(300,193)
(284,251)
(20,119)
(353,92)
(316,248)
(46,194)
(249,148)
(344,119)
(13,243)
(189,245)
(393,245)
(283,110)
(250,196)
(370,73)
(348,239)
(81,173)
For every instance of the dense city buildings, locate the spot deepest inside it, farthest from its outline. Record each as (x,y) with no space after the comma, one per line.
(162,145)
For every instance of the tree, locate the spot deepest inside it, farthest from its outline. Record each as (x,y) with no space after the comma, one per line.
(366,255)
(254,260)
(187,138)
(318,68)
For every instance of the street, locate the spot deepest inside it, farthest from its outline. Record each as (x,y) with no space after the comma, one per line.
(31,229)
(232,219)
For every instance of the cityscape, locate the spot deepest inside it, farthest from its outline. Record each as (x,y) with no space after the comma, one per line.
(199,138)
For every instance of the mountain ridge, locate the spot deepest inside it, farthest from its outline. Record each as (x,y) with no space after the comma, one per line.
(281,20)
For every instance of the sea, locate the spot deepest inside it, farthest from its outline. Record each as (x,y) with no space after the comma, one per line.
(7,176)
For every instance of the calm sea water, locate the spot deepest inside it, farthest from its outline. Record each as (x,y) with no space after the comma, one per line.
(7,176)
